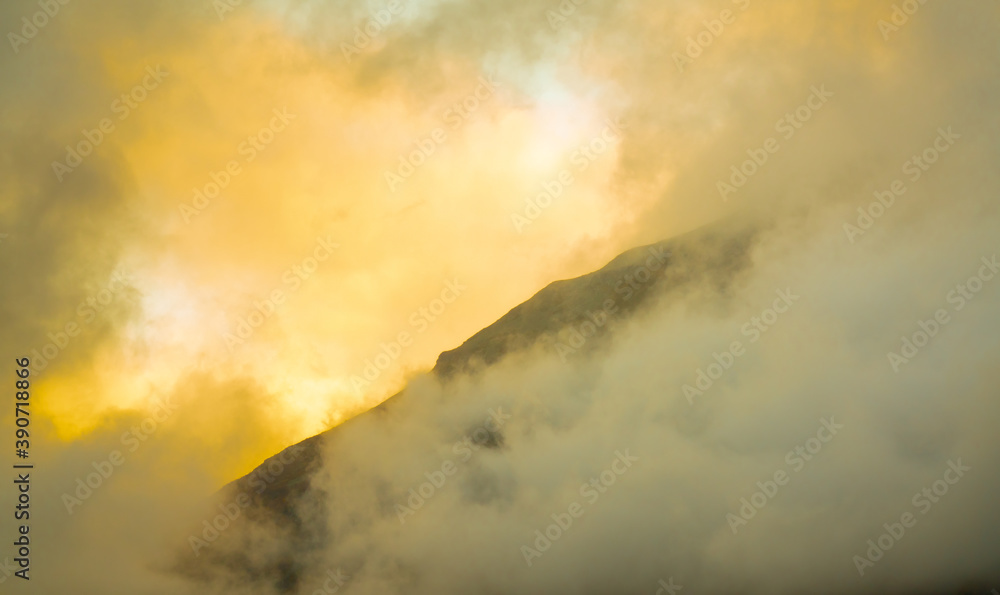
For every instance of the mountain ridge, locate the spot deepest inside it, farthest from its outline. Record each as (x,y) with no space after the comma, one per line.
(632,281)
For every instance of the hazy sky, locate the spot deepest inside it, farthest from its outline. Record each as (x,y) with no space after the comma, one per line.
(173,170)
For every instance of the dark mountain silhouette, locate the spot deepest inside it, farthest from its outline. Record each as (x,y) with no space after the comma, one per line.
(269,540)
(712,255)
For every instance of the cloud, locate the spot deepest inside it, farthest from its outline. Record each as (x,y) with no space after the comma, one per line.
(323,176)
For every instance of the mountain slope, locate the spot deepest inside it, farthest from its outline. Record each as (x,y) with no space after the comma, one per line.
(325,500)
(558,306)
(630,283)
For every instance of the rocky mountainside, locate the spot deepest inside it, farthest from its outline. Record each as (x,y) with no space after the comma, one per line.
(628,283)
(276,517)
(558,316)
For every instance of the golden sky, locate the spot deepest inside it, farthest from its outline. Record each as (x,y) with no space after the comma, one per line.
(265,206)
(320,171)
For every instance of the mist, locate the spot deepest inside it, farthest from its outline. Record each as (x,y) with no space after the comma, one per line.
(787,122)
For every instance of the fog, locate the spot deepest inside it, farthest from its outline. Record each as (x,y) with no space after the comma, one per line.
(818,109)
